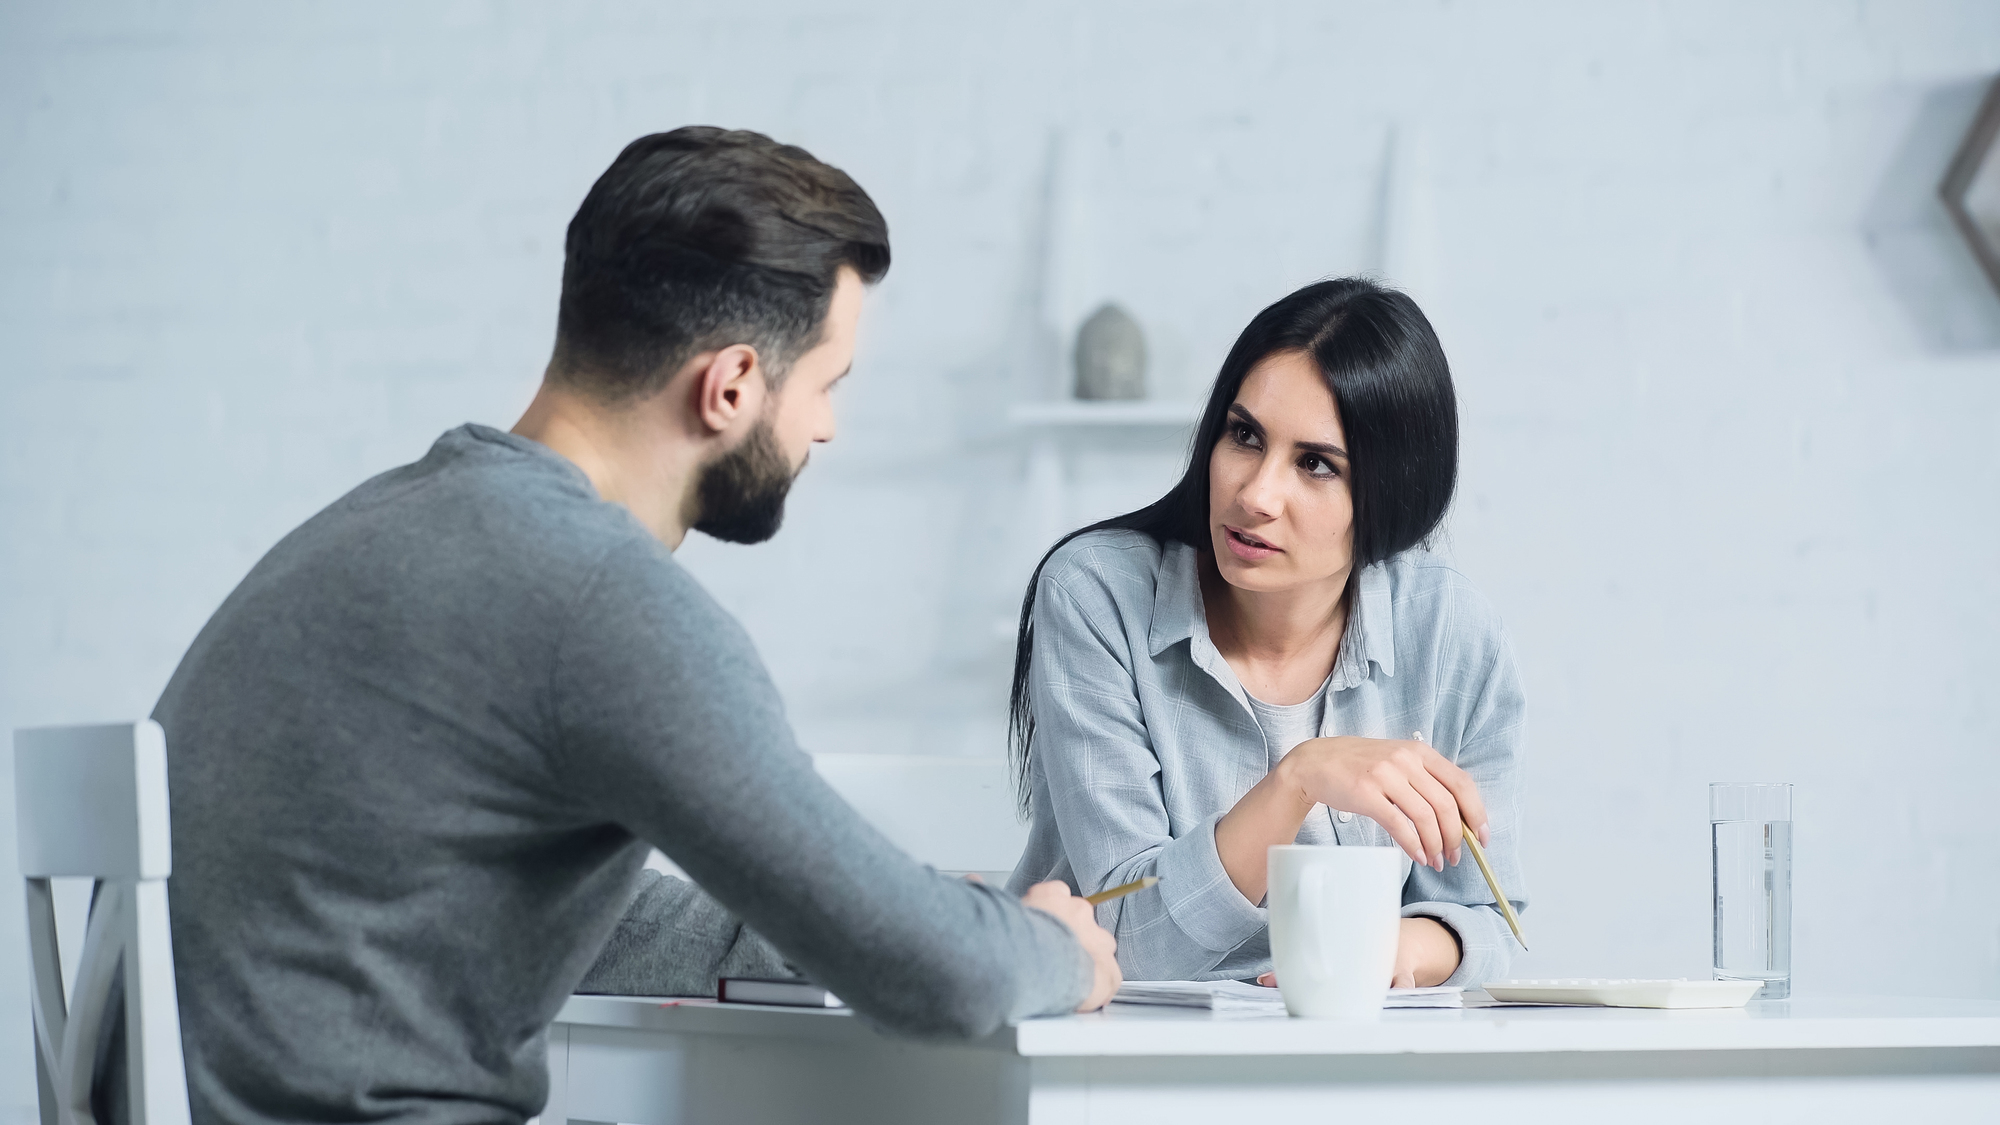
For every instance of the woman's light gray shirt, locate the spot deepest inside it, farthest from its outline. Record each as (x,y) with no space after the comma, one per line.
(1144,738)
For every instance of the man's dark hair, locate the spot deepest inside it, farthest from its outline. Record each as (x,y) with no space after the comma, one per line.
(702,238)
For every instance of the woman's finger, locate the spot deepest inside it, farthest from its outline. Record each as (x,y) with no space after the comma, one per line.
(1440,798)
(1384,812)
(1424,817)
(1471,806)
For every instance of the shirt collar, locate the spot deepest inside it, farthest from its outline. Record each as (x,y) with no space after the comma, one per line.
(1178,616)
(1177,612)
(1374,619)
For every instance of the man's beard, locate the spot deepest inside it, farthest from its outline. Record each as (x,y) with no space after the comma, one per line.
(742,492)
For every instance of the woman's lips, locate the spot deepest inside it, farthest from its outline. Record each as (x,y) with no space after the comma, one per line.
(1247,547)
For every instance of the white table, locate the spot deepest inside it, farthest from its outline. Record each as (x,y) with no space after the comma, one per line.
(1880,1061)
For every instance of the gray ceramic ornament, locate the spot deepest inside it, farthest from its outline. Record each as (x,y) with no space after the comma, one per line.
(1110,356)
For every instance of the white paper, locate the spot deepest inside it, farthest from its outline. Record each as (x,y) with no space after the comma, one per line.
(1236,996)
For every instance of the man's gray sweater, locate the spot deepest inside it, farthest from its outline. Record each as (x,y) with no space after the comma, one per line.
(416,760)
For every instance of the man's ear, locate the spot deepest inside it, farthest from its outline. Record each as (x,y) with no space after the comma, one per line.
(728,386)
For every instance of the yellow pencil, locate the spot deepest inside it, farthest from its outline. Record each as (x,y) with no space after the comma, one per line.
(1486,869)
(1104,896)
(1499,896)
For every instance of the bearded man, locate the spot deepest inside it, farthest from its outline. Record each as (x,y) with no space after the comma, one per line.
(418,756)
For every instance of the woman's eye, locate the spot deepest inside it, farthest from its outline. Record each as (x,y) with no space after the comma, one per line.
(1318,466)
(1244,435)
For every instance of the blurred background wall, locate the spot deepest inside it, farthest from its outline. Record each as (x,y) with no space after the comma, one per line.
(1729,388)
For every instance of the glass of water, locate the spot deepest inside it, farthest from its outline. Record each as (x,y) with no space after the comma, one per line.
(1751,830)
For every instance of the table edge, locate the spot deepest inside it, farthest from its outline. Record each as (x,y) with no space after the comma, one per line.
(1090,1036)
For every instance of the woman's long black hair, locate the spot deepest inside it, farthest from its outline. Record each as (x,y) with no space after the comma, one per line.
(1393,389)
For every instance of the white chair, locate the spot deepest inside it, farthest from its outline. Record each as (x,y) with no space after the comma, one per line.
(91,802)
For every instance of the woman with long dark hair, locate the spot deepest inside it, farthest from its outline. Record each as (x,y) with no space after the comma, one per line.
(1267,655)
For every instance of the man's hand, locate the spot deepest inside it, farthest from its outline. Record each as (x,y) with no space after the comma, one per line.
(1081,918)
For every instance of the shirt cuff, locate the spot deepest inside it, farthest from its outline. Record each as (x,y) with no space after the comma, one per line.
(1199,895)
(1486,945)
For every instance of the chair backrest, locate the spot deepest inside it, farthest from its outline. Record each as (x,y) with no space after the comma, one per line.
(91,802)
(956,814)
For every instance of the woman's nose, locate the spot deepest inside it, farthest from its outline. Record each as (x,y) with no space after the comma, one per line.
(1262,494)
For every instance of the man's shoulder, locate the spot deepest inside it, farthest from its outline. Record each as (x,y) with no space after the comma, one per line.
(479,474)
(484,537)
(480,505)
(630,570)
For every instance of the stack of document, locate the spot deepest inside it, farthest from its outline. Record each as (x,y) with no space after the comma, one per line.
(1436,996)
(1236,996)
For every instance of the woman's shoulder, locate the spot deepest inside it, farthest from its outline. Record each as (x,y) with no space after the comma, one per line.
(1120,567)
(1427,589)
(1113,555)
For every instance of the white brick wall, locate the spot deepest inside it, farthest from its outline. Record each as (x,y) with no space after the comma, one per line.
(1729,393)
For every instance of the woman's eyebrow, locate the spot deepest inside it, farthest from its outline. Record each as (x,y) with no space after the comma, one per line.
(1323,448)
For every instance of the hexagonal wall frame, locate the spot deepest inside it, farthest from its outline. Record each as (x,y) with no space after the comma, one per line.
(1971,187)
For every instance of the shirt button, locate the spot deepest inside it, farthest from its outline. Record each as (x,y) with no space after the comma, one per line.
(1345,816)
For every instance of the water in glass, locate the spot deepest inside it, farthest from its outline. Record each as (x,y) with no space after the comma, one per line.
(1753,903)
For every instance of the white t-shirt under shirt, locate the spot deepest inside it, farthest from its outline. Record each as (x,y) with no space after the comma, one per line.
(1287,725)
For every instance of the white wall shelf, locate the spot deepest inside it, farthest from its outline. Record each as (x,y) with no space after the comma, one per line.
(1055,431)
(1079,412)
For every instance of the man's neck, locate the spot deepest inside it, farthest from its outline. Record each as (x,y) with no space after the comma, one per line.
(624,452)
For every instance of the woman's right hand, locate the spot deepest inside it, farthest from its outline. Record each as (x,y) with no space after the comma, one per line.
(1415,793)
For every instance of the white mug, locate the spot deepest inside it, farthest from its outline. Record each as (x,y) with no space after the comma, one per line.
(1336,913)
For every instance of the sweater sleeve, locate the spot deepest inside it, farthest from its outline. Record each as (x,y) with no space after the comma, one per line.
(668,725)
(675,940)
